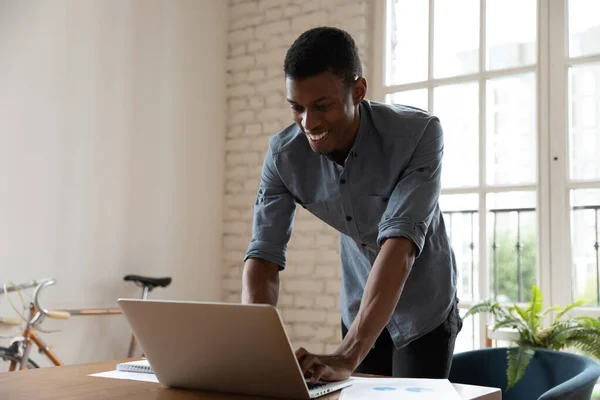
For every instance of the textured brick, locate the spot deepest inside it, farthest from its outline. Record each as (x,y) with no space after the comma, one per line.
(243,10)
(265,5)
(309,21)
(273,28)
(240,63)
(241,36)
(304,286)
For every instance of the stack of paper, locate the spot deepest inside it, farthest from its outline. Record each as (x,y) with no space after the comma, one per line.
(400,388)
(132,376)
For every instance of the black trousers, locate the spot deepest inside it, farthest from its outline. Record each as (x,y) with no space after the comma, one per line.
(429,356)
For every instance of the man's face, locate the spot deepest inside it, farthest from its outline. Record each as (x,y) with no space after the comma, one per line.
(326,109)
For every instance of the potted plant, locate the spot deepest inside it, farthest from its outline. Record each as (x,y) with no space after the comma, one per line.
(580,332)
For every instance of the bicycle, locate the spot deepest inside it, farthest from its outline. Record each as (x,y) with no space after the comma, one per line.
(17,353)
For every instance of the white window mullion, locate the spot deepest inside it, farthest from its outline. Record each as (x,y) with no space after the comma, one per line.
(459,79)
(560,259)
(584,60)
(591,184)
(483,275)
(544,192)
(380,39)
(430,60)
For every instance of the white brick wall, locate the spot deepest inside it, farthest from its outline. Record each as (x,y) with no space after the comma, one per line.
(260,33)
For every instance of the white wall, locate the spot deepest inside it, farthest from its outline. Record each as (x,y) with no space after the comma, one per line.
(112,116)
(260,33)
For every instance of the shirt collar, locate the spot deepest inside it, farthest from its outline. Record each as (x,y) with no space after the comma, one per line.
(363,128)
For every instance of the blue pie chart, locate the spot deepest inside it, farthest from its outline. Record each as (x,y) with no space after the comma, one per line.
(384,389)
(417,389)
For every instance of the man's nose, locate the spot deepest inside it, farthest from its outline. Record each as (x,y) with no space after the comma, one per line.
(310,121)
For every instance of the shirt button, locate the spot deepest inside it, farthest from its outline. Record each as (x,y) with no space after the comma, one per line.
(342,181)
(348,218)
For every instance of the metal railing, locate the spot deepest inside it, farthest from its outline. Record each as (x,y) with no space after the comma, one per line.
(519,245)
(494,245)
(596,244)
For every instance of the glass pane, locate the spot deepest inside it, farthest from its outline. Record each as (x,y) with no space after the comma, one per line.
(585,234)
(415,98)
(460,121)
(408,35)
(512,244)
(584,121)
(511,33)
(461,218)
(468,338)
(584,27)
(455,37)
(511,130)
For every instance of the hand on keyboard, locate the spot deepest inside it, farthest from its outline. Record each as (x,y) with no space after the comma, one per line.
(323,367)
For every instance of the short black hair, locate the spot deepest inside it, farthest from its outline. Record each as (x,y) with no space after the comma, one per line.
(320,50)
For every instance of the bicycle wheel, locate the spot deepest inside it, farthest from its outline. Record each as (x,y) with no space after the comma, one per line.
(8,355)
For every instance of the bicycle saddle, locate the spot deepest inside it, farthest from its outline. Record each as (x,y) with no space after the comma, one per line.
(149,281)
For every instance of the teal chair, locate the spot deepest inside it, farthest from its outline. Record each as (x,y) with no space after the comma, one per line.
(551,375)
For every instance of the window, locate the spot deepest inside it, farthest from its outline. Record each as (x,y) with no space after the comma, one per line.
(487,69)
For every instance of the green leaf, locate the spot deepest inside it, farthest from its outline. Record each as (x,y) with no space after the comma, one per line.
(588,342)
(519,325)
(550,309)
(518,360)
(486,306)
(567,309)
(535,308)
(567,333)
(522,313)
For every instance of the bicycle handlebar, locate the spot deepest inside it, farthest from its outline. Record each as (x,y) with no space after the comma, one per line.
(22,286)
(10,321)
(36,301)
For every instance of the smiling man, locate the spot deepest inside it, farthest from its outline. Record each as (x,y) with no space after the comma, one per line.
(371,171)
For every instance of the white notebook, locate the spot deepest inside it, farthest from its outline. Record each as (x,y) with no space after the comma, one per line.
(135,366)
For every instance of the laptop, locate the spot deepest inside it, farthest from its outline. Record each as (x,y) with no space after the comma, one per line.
(220,347)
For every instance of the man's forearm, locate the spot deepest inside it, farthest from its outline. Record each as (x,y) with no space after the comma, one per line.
(260,282)
(382,292)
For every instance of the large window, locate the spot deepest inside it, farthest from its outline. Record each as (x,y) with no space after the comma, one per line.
(516,85)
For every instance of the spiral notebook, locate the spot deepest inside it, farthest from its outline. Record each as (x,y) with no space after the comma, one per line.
(135,366)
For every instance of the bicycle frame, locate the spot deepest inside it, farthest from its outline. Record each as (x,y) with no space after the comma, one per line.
(29,338)
(29,335)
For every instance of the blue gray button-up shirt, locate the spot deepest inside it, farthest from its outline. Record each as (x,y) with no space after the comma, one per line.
(388,187)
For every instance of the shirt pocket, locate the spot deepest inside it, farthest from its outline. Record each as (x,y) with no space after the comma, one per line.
(328,211)
(369,209)
(318,209)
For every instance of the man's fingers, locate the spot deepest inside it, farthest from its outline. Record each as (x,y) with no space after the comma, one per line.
(301,353)
(308,363)
(319,370)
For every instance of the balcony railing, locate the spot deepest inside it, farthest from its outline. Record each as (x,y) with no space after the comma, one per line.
(495,245)
(519,246)
(596,212)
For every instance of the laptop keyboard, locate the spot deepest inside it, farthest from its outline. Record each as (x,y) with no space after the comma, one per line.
(315,385)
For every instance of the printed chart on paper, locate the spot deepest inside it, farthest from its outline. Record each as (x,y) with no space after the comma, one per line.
(400,388)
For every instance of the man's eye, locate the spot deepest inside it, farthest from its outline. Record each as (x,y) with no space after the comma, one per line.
(322,107)
(297,108)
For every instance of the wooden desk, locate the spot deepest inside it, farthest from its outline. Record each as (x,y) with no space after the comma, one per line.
(73,383)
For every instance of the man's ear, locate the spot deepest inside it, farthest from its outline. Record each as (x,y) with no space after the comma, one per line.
(360,90)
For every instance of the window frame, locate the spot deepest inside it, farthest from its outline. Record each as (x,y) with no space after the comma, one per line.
(552,144)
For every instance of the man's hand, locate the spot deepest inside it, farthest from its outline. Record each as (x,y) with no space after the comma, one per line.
(331,367)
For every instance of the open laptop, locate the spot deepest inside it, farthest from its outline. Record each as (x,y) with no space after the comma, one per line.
(222,347)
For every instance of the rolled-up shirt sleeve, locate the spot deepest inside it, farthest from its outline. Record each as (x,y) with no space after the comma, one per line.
(414,200)
(274,211)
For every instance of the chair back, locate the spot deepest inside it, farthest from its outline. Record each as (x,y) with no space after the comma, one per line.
(551,375)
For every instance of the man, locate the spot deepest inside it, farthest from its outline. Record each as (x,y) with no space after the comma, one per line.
(371,171)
